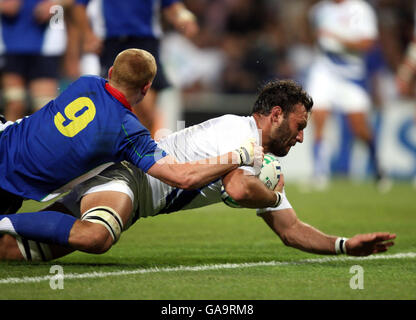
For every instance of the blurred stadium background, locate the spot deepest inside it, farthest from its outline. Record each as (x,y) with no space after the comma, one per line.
(243,43)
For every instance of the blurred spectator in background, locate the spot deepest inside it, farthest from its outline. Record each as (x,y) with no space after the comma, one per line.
(135,24)
(346,31)
(34,39)
(254,44)
(396,23)
(406,67)
(406,70)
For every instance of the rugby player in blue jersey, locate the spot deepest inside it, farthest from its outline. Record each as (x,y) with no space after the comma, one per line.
(84,130)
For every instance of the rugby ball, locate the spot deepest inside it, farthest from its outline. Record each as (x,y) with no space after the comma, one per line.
(269,175)
(270,171)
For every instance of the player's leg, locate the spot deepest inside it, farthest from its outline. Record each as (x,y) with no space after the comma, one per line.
(42,90)
(320,151)
(357,105)
(14,85)
(43,80)
(108,203)
(104,215)
(14,95)
(362,130)
(20,248)
(101,224)
(147,110)
(95,234)
(320,85)
(14,248)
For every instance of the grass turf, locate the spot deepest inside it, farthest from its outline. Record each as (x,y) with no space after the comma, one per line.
(218,235)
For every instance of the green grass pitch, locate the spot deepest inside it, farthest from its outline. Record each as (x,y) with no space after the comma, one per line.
(218,235)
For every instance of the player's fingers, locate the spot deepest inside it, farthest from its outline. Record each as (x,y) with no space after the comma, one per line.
(388,244)
(382,247)
(280,184)
(379,236)
(281,180)
(379,250)
(383,236)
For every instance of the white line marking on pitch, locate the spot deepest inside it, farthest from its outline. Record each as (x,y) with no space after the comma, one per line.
(90,275)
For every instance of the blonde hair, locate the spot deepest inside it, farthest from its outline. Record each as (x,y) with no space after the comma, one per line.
(133,69)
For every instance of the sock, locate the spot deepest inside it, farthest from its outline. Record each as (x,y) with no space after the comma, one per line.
(373,158)
(44,226)
(321,159)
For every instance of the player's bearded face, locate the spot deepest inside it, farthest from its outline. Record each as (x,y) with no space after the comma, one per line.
(281,139)
(286,135)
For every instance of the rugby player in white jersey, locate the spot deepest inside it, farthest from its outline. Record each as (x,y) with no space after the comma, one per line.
(122,194)
(345,31)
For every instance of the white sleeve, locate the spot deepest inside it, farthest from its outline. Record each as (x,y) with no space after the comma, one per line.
(284,205)
(232,132)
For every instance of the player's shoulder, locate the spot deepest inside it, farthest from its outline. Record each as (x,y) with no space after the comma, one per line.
(232,120)
(319,6)
(234,127)
(360,5)
(91,79)
(88,81)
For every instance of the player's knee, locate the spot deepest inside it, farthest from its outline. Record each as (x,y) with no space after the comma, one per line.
(40,101)
(14,94)
(97,239)
(104,229)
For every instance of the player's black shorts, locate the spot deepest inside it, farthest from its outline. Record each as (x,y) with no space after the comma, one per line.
(9,203)
(113,46)
(32,66)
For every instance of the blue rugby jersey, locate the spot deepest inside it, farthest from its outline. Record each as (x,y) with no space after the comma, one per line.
(89,125)
(23,34)
(131,17)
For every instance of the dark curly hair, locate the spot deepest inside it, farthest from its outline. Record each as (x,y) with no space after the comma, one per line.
(283,93)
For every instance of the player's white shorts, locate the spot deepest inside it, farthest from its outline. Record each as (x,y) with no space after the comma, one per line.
(331,91)
(119,177)
(125,178)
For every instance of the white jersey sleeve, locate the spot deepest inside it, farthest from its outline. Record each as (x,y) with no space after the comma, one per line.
(284,205)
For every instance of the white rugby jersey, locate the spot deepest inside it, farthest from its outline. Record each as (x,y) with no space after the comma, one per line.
(205,140)
(350,19)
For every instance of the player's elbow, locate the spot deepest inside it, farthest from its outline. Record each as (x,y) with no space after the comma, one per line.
(289,237)
(187,182)
(239,192)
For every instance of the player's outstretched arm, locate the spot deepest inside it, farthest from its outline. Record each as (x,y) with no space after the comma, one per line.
(366,244)
(196,174)
(297,234)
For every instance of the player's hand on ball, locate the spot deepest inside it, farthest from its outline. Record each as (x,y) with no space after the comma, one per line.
(280,184)
(250,153)
(366,244)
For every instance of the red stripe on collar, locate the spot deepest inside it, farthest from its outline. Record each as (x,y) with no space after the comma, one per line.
(118,95)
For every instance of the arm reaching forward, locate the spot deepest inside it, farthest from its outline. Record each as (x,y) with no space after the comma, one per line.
(196,174)
(297,234)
